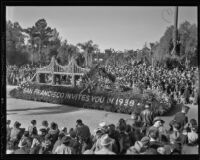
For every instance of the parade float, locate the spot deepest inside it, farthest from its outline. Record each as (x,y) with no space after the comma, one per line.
(62,85)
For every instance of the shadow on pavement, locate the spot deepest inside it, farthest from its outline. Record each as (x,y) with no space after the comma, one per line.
(174,110)
(48,110)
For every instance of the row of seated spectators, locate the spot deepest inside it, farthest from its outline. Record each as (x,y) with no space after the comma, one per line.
(141,134)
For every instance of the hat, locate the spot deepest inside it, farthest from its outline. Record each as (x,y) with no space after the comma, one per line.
(79,121)
(145,140)
(147,105)
(105,140)
(102,124)
(17,124)
(158,119)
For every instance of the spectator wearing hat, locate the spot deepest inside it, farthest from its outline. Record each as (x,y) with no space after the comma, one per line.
(147,117)
(106,142)
(99,132)
(65,148)
(157,123)
(32,128)
(16,133)
(82,131)
(8,129)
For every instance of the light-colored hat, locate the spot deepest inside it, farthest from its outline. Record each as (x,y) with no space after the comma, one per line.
(102,124)
(105,140)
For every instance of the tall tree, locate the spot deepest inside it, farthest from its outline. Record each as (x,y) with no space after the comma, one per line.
(89,48)
(15,47)
(39,36)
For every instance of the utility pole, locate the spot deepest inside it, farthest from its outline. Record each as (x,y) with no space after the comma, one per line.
(175,30)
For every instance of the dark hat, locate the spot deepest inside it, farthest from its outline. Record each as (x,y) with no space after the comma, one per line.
(158,119)
(79,121)
(33,122)
(17,124)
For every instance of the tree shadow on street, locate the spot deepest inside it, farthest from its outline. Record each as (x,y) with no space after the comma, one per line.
(48,110)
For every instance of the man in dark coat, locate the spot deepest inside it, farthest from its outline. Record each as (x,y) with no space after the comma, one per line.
(82,131)
(181,117)
(146,117)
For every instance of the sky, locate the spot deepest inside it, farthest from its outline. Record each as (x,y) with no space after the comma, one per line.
(114,27)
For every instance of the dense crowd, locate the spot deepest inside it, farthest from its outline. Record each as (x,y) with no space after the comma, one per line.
(141,134)
(177,84)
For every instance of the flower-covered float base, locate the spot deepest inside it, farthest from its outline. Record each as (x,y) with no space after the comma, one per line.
(121,102)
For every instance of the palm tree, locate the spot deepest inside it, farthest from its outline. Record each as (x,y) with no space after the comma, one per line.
(89,48)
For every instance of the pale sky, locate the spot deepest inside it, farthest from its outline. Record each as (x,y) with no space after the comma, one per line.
(110,27)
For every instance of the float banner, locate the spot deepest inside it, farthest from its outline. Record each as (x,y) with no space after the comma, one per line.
(122,102)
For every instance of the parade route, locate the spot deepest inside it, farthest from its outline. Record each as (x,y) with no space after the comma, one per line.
(24,111)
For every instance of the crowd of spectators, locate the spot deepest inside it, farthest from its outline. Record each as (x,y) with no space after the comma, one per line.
(177,84)
(140,134)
